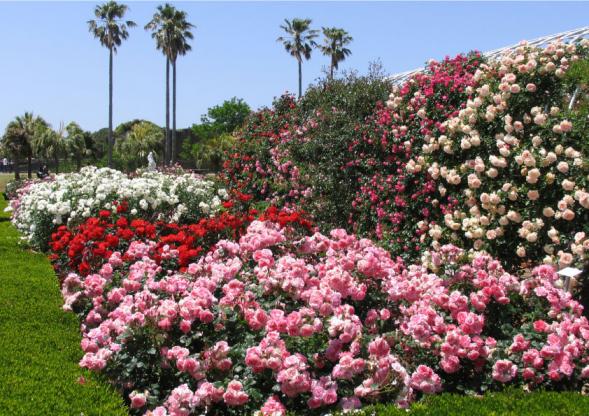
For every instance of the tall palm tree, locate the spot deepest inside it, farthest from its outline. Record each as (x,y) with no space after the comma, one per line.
(110,29)
(171,31)
(19,137)
(299,42)
(334,46)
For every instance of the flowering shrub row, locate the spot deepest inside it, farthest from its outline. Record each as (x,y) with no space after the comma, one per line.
(71,198)
(280,319)
(509,173)
(484,155)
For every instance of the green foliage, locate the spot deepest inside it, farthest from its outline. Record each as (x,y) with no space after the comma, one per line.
(19,137)
(213,136)
(133,146)
(108,27)
(209,153)
(228,116)
(39,343)
(334,46)
(171,31)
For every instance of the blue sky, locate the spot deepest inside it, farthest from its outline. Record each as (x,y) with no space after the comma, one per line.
(52,66)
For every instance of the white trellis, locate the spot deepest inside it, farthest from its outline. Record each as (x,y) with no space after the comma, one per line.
(569,36)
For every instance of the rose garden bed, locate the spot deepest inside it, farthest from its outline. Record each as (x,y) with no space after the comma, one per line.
(435,270)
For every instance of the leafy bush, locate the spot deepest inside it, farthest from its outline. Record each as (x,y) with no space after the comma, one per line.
(294,153)
(483,155)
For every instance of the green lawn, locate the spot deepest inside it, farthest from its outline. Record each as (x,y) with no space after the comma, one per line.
(4,179)
(39,343)
(512,402)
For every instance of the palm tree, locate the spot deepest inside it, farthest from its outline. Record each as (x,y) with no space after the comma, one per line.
(19,137)
(110,29)
(334,46)
(171,31)
(49,144)
(209,153)
(299,43)
(75,143)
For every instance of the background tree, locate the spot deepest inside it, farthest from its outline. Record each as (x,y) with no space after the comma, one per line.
(75,143)
(49,144)
(18,140)
(210,138)
(299,42)
(171,31)
(209,153)
(227,116)
(110,29)
(142,138)
(334,46)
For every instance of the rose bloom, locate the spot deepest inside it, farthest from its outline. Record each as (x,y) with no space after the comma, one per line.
(563,167)
(533,195)
(568,215)
(568,185)
(138,400)
(521,252)
(548,212)
(564,258)
(531,87)
(504,371)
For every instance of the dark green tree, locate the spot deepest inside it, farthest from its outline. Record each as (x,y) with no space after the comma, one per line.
(19,137)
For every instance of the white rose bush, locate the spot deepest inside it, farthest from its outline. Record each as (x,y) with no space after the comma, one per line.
(71,198)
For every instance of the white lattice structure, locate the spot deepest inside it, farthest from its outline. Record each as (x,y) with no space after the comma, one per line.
(570,36)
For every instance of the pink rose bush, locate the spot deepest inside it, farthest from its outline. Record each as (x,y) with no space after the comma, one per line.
(483,154)
(281,320)
(509,166)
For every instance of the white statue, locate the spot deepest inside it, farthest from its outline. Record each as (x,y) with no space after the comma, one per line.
(151,162)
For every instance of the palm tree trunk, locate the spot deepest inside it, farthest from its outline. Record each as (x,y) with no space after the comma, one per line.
(174,144)
(110,137)
(16,162)
(300,78)
(29,167)
(167,143)
(56,162)
(331,68)
(78,163)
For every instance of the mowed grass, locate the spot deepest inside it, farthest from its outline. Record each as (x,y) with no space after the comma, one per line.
(511,402)
(40,343)
(4,179)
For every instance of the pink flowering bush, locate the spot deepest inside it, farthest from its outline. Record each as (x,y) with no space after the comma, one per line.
(279,320)
(483,154)
(510,167)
